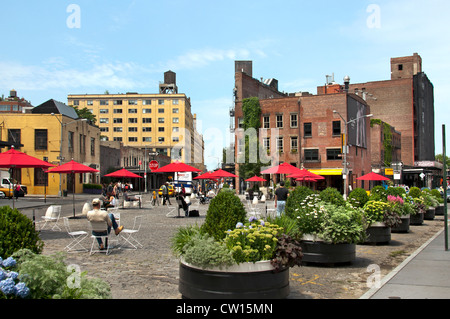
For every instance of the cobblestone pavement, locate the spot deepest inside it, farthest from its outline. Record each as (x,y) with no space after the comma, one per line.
(151,272)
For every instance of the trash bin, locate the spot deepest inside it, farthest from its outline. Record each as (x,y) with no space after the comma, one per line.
(65,192)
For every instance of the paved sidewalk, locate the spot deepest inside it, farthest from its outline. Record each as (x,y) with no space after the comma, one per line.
(424,275)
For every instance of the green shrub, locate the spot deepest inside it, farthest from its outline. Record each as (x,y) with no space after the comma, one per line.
(296,197)
(332,196)
(343,225)
(17,232)
(358,197)
(415,192)
(92,186)
(378,193)
(437,195)
(224,212)
(47,277)
(374,211)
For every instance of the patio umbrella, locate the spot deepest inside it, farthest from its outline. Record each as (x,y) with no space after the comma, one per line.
(372,177)
(176,167)
(72,167)
(256,179)
(304,173)
(284,168)
(222,173)
(15,159)
(206,175)
(123,173)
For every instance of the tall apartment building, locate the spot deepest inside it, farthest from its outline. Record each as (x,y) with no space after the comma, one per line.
(161,122)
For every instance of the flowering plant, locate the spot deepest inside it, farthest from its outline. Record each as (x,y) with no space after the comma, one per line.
(10,285)
(374,211)
(310,215)
(254,241)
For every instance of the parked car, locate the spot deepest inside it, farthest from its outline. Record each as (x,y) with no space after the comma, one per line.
(6,192)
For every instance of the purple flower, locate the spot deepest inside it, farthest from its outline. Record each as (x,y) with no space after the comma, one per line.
(21,290)
(9,262)
(7,286)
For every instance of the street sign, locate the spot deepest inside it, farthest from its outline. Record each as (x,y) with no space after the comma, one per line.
(153,165)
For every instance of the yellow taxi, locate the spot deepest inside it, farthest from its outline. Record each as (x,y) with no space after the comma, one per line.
(171,190)
(6,192)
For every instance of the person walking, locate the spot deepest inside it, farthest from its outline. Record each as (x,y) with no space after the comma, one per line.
(165,193)
(281,195)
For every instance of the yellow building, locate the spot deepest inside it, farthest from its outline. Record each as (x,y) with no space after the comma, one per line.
(160,122)
(40,133)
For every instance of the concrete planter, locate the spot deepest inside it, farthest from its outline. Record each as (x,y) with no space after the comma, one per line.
(439,211)
(404,225)
(416,219)
(430,213)
(244,281)
(378,233)
(324,253)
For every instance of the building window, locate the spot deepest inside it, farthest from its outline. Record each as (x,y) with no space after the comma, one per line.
(175,120)
(400,67)
(90,102)
(333,154)
(294,144)
(240,122)
(117,121)
(118,129)
(104,111)
(132,102)
(104,120)
(175,139)
(76,102)
(82,144)
(280,121)
(266,122)
(117,102)
(294,120)
(132,129)
(307,129)
(160,129)
(146,111)
(311,155)
(92,146)
(132,120)
(104,129)
(336,128)
(160,119)
(14,137)
(146,139)
(146,129)
(160,102)
(132,139)
(40,139)
(117,111)
(175,129)
(70,140)
(266,143)
(161,139)
(104,102)
(118,139)
(146,120)
(280,144)
(132,111)
(40,177)
(175,110)
(146,102)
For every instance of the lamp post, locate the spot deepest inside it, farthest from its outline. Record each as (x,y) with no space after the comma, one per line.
(345,149)
(60,158)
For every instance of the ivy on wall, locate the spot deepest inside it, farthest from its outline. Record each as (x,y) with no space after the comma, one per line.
(387,140)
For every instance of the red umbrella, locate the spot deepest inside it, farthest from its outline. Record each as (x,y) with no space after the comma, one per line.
(72,167)
(206,175)
(222,173)
(176,167)
(256,179)
(284,168)
(372,177)
(123,173)
(15,159)
(304,173)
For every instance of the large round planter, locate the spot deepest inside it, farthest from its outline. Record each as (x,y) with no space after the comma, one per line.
(404,225)
(243,281)
(429,213)
(378,233)
(416,219)
(439,211)
(323,253)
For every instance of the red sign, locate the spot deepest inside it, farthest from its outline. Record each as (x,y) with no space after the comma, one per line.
(153,165)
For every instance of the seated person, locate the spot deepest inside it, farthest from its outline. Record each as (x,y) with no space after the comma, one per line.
(110,202)
(127,198)
(97,215)
(184,205)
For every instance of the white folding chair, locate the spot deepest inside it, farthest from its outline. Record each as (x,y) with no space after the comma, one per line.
(51,216)
(77,237)
(270,208)
(100,227)
(114,211)
(172,210)
(130,239)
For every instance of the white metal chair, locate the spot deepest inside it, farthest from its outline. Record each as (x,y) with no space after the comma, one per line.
(77,238)
(51,216)
(253,210)
(172,210)
(270,208)
(100,227)
(114,211)
(130,239)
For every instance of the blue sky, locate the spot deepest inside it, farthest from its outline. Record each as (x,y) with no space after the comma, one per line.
(124,46)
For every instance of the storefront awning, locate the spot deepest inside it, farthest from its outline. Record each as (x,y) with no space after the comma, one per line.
(327,172)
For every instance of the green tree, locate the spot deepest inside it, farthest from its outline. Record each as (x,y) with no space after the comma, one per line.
(439,158)
(84,113)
